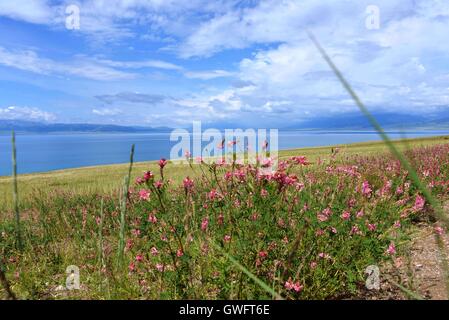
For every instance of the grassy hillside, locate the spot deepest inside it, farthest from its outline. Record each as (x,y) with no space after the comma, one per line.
(308,230)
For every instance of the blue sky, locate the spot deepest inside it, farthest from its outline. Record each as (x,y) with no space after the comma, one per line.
(167,62)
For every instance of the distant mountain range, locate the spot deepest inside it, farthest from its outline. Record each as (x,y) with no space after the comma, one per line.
(388,120)
(347,121)
(357,121)
(39,127)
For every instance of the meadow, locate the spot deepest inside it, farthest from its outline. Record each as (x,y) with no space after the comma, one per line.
(223,230)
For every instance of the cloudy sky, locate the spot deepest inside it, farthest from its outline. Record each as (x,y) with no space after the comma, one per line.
(168,62)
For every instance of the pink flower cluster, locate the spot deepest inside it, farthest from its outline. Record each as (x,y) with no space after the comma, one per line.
(293,286)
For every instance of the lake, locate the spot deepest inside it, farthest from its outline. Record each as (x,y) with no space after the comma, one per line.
(46,152)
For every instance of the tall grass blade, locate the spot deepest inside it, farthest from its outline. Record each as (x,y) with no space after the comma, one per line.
(408,292)
(124,200)
(252,276)
(15,195)
(100,235)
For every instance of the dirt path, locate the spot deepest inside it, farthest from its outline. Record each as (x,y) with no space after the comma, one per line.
(424,270)
(420,270)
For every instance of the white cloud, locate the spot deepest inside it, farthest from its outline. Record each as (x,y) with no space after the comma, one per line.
(35,11)
(209,74)
(158,64)
(107,111)
(402,67)
(79,66)
(112,20)
(29,60)
(274,21)
(25,113)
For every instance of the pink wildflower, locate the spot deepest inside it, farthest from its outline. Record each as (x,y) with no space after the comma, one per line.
(228,176)
(221,162)
(227,238)
(439,230)
(366,188)
(351,202)
(213,194)
(323,255)
(162,163)
(144,194)
(160,267)
(355,230)
(220,219)
(148,175)
(263,193)
(346,215)
(281,222)
(254,216)
(391,249)
(324,215)
(290,285)
(152,218)
(188,184)
(158,184)
(297,287)
(240,175)
(204,224)
(266,163)
(154,251)
(419,203)
(302,160)
(139,180)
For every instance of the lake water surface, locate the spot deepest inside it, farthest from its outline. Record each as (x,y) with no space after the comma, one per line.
(45,152)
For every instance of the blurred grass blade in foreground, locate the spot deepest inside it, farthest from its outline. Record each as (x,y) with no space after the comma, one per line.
(19,243)
(124,200)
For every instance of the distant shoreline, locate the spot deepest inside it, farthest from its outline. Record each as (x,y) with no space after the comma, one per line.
(331,131)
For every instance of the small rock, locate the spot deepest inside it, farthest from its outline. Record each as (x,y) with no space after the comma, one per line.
(59,288)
